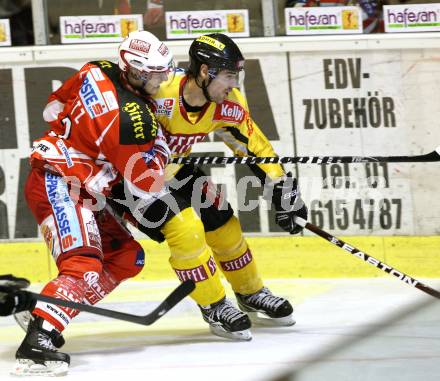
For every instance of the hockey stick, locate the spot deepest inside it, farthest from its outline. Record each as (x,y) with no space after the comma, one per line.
(183,290)
(429,157)
(368,258)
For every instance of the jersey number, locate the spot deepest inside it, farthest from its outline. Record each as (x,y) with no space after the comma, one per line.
(67,123)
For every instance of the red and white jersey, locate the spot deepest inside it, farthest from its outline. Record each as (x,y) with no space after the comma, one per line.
(100,132)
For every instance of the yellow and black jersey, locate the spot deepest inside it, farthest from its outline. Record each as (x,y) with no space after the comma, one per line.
(229,120)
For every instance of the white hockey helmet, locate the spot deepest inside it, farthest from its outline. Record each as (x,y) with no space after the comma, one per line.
(144,52)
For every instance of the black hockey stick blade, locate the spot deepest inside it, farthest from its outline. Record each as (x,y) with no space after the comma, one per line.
(183,290)
(368,258)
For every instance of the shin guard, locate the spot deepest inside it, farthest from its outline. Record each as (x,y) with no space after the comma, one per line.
(234,257)
(190,256)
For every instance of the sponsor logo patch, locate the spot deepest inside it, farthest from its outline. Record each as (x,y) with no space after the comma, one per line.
(110,99)
(238,263)
(197,274)
(140,45)
(68,225)
(41,147)
(93,235)
(49,232)
(57,313)
(229,111)
(46,232)
(65,152)
(182,143)
(105,64)
(212,266)
(97,74)
(92,98)
(134,111)
(164,106)
(91,277)
(140,258)
(163,49)
(211,41)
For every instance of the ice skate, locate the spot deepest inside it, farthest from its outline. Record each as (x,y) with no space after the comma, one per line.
(264,308)
(24,318)
(227,321)
(37,356)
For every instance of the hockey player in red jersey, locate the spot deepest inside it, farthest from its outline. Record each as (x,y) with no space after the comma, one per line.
(102,130)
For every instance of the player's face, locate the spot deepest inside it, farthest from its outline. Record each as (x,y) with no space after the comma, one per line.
(222,85)
(150,81)
(154,80)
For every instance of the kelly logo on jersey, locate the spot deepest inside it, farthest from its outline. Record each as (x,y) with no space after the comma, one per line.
(229,111)
(91,97)
(164,106)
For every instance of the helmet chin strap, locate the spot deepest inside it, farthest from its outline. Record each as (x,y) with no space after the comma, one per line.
(204,88)
(205,92)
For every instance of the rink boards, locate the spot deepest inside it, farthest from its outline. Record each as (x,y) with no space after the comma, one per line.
(276,257)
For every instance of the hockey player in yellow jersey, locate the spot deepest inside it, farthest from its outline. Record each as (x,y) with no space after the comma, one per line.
(199,225)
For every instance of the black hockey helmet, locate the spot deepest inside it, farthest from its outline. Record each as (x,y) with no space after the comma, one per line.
(217,51)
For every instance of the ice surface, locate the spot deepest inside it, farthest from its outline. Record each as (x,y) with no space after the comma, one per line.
(357,329)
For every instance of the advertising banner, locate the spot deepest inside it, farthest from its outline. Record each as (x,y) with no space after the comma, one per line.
(88,29)
(412,18)
(368,104)
(233,22)
(323,20)
(5,33)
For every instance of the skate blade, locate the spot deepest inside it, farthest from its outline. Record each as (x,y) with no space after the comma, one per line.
(261,319)
(244,335)
(30,368)
(23,319)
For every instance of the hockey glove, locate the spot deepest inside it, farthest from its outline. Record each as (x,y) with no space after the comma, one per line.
(288,204)
(159,155)
(161,147)
(12,298)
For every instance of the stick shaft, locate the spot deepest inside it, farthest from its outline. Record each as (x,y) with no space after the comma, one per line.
(430,157)
(175,297)
(369,259)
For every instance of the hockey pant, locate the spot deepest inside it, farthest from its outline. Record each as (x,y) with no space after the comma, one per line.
(93,251)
